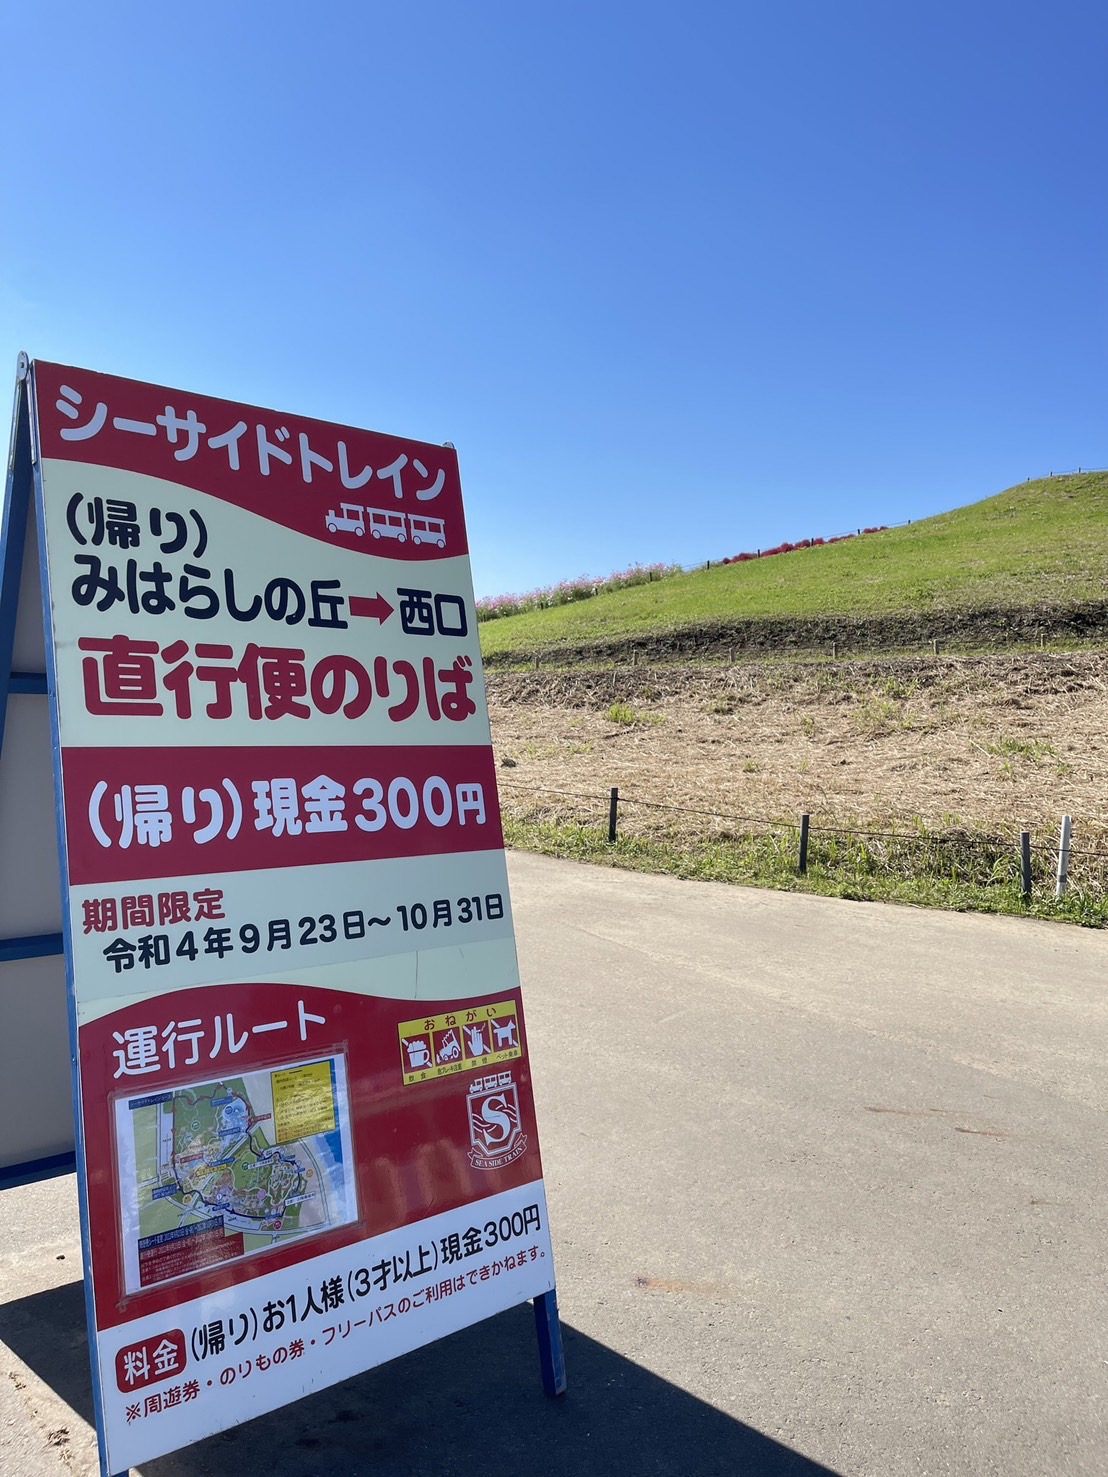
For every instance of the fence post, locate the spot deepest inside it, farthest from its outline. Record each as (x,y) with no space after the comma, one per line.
(804,820)
(613,808)
(1063,857)
(1025,864)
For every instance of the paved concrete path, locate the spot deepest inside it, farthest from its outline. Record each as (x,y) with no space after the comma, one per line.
(827,1184)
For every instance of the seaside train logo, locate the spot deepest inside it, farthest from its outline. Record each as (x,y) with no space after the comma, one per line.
(494,1129)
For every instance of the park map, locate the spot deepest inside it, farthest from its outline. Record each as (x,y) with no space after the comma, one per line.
(228,1168)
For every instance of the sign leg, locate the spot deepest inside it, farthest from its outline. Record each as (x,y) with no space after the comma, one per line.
(549,1330)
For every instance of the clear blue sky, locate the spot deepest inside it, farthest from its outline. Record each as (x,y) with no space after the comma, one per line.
(677,279)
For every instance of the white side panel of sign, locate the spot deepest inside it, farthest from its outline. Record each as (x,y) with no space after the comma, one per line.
(30,637)
(30,899)
(36,1099)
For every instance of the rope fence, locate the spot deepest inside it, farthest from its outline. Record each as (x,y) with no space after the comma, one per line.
(1060,855)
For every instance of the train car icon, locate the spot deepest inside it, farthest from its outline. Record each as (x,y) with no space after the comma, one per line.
(350,518)
(427,530)
(383,524)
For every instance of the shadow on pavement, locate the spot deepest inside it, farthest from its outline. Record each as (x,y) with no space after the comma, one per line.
(471,1403)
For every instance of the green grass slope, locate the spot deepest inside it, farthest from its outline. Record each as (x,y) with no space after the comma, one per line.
(1039,548)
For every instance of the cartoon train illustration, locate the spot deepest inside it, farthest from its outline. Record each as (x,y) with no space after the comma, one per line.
(386,523)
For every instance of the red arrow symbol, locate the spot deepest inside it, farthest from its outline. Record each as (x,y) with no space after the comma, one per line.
(377,609)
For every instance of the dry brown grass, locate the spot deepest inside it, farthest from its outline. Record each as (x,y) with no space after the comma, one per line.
(993,744)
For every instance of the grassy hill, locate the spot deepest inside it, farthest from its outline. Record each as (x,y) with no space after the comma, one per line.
(1032,560)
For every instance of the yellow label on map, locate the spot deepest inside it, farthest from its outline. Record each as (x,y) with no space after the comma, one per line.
(303,1102)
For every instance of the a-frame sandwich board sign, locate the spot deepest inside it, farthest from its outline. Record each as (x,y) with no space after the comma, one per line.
(304,1126)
